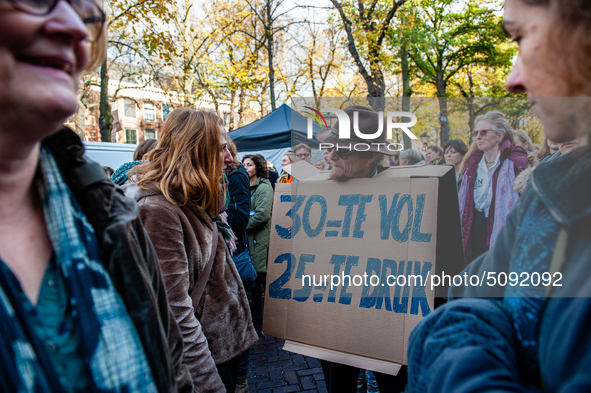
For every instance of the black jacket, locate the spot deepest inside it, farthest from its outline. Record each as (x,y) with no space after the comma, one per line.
(129,257)
(273,177)
(239,207)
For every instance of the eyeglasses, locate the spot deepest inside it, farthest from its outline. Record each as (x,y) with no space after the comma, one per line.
(91,14)
(306,155)
(481,132)
(340,152)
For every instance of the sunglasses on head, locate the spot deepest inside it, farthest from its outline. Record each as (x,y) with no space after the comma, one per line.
(91,14)
(481,132)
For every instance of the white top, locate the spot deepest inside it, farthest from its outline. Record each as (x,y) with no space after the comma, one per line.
(483,185)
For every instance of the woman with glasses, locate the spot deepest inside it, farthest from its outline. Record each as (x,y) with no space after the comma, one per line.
(258,229)
(486,194)
(82,300)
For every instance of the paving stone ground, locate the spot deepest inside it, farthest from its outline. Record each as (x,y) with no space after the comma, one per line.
(273,370)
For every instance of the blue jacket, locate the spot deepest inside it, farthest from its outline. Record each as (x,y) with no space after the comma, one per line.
(462,348)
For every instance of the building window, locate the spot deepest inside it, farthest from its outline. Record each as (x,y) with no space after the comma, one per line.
(130,135)
(149,114)
(129,107)
(226,117)
(166,109)
(150,134)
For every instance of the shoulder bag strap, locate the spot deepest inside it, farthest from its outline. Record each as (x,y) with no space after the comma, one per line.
(556,265)
(199,287)
(558,257)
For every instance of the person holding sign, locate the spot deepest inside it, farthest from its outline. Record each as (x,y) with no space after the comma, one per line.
(526,329)
(347,163)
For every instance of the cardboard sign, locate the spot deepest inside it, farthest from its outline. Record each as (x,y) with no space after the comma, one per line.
(348,266)
(301,170)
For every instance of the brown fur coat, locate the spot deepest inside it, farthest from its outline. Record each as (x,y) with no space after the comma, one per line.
(182,239)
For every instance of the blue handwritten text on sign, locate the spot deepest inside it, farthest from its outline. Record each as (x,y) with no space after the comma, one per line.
(391,222)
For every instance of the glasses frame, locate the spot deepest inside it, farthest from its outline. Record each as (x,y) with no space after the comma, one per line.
(482,132)
(88,19)
(342,152)
(302,156)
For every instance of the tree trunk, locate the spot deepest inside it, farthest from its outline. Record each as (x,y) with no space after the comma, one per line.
(443,120)
(232,109)
(471,110)
(242,107)
(105,117)
(376,87)
(311,72)
(216,104)
(187,84)
(269,33)
(405,94)
(472,113)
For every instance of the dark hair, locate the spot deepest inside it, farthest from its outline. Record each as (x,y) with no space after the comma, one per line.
(457,144)
(436,149)
(144,147)
(234,152)
(260,163)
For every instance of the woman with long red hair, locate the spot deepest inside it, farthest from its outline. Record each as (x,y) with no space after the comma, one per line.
(180,194)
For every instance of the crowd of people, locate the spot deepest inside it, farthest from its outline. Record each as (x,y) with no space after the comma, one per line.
(152,279)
